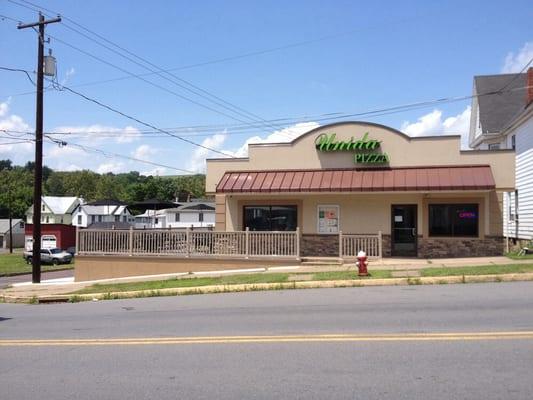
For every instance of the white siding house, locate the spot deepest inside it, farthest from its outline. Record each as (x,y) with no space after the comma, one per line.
(88,214)
(518,205)
(188,215)
(505,121)
(55,210)
(17,233)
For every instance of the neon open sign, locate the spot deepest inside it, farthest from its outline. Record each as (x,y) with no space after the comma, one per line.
(467,214)
(365,148)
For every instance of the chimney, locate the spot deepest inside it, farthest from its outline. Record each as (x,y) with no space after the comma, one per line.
(529,83)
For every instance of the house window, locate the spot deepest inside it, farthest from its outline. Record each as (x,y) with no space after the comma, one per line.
(453,220)
(44,208)
(200,217)
(177,217)
(513,142)
(270,218)
(117,218)
(156,221)
(99,218)
(79,219)
(125,218)
(21,225)
(93,218)
(47,219)
(494,146)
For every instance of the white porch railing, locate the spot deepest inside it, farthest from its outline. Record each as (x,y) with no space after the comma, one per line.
(351,244)
(189,243)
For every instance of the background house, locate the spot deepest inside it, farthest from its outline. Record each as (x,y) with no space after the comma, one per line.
(105,213)
(56,219)
(505,121)
(55,210)
(17,232)
(194,214)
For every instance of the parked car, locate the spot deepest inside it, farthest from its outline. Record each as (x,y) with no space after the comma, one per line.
(50,256)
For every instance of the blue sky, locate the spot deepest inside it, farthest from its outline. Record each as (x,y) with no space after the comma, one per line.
(347,57)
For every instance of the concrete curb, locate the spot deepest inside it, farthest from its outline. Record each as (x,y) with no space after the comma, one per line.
(249,287)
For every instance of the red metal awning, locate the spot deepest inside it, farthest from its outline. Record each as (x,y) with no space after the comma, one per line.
(469,177)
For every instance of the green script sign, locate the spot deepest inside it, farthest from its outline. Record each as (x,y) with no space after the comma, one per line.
(364,148)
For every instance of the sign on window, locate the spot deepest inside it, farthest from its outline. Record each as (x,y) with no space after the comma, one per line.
(328,219)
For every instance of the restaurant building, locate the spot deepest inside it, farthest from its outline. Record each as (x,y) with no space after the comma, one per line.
(424,196)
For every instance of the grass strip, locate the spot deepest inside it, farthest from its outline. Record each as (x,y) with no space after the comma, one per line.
(12,264)
(342,275)
(222,280)
(186,282)
(514,256)
(479,270)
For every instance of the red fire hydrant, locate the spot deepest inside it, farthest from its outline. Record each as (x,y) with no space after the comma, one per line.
(362,263)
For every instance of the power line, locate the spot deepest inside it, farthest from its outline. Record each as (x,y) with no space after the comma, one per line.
(182,83)
(84,148)
(517,75)
(330,116)
(20,70)
(239,56)
(107,153)
(63,87)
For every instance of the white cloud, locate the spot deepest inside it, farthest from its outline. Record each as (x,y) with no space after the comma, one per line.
(282,136)
(432,124)
(516,62)
(129,134)
(144,151)
(216,141)
(18,152)
(70,72)
(115,167)
(158,171)
(197,162)
(100,133)
(4,108)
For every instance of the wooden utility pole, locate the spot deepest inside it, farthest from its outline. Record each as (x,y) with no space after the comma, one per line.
(10,216)
(38,171)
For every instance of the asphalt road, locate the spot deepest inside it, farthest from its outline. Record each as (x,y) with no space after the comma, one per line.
(388,343)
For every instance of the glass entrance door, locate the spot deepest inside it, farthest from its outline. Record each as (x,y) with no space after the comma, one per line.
(403,229)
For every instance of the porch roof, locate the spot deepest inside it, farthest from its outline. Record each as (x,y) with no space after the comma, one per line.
(432,178)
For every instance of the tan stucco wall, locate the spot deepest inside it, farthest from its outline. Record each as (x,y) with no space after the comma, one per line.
(90,268)
(367,212)
(403,152)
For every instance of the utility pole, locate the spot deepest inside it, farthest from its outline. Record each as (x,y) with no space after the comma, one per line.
(38,171)
(10,204)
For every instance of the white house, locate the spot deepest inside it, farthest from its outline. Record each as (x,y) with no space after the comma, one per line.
(17,233)
(193,214)
(55,210)
(505,121)
(103,213)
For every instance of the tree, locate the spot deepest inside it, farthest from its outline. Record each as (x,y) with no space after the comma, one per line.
(107,187)
(6,164)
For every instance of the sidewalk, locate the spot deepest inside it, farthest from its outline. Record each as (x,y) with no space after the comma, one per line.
(66,285)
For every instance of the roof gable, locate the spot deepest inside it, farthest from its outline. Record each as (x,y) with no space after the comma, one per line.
(497,110)
(60,205)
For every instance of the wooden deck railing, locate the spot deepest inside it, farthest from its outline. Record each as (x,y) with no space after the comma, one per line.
(350,245)
(189,243)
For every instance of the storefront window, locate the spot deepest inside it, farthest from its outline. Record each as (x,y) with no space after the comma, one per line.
(270,218)
(453,220)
